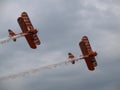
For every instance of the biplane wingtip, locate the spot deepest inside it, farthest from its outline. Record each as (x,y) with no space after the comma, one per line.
(23,13)
(19,19)
(84,36)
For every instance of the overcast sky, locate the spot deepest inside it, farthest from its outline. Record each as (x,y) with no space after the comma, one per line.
(61,25)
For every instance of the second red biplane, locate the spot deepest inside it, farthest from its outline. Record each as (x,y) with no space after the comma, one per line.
(27,29)
(88,54)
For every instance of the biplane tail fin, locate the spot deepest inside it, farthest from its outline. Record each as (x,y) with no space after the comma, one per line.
(71,56)
(11,34)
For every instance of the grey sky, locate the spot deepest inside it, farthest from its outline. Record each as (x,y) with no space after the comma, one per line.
(61,25)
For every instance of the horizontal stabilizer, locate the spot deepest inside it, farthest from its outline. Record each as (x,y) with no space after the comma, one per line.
(71,56)
(11,34)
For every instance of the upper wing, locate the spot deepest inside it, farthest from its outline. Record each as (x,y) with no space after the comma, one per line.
(27,21)
(86,50)
(28,37)
(30,27)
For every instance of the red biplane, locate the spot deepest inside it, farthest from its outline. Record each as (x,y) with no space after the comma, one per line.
(87,52)
(28,29)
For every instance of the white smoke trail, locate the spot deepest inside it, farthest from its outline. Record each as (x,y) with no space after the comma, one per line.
(36,70)
(7,39)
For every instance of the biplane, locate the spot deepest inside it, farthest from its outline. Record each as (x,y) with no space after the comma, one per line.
(27,29)
(88,54)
